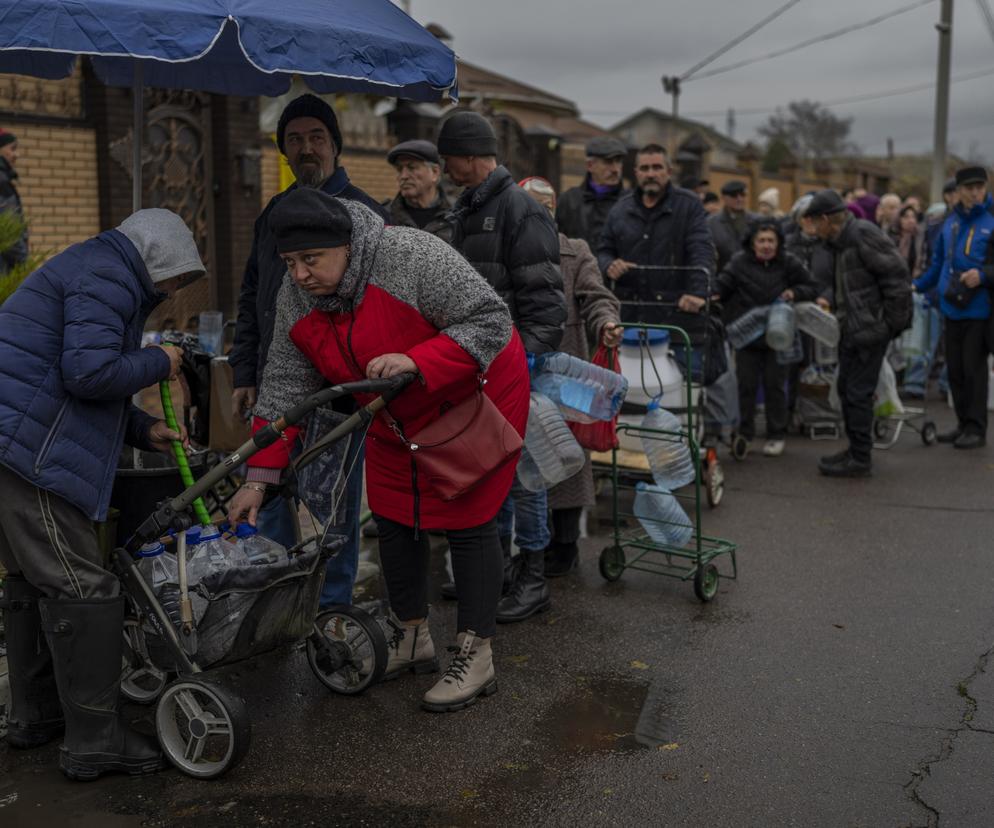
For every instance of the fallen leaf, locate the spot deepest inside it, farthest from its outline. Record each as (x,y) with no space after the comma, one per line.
(640,665)
(669,746)
(839,626)
(467,793)
(519,660)
(515,766)
(608,791)
(671,776)
(706,777)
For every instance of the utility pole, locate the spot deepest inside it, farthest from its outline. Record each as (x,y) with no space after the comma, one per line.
(945,29)
(671,86)
(730,123)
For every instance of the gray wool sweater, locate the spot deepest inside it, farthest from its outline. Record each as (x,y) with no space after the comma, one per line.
(414,267)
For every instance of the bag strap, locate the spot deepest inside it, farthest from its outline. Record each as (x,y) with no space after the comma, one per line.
(396,427)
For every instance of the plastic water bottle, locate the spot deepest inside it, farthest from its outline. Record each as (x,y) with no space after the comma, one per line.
(661,515)
(157,566)
(258,549)
(781,325)
(586,392)
(793,354)
(669,454)
(817,323)
(553,454)
(212,554)
(748,328)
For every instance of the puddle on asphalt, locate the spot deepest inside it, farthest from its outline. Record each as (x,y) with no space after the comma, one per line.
(611,713)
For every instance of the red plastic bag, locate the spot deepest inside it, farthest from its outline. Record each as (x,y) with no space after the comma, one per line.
(602,435)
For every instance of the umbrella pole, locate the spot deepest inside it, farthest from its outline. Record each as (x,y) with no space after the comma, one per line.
(138,119)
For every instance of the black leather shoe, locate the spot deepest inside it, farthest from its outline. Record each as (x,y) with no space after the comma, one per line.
(969,441)
(831,459)
(847,466)
(529,594)
(950,436)
(561,559)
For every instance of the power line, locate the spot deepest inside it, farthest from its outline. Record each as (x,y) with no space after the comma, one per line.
(737,40)
(811,42)
(985,12)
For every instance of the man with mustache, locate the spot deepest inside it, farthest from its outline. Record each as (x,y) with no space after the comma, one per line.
(309,136)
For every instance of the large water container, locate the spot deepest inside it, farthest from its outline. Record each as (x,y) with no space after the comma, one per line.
(748,328)
(793,354)
(661,515)
(646,362)
(781,325)
(213,554)
(668,454)
(258,549)
(586,392)
(817,323)
(553,454)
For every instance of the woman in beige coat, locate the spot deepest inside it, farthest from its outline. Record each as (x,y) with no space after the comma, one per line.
(593,315)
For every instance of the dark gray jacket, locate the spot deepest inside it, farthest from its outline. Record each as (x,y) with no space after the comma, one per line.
(727,240)
(400,217)
(817,259)
(876,303)
(511,241)
(581,213)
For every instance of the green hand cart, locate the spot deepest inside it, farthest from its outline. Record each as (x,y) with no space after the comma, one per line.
(634,546)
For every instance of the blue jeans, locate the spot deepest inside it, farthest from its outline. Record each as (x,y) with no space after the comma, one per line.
(278,522)
(919,367)
(527,514)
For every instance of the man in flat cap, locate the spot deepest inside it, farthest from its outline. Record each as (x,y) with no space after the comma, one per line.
(420,200)
(309,136)
(582,210)
(728,226)
(872,300)
(962,269)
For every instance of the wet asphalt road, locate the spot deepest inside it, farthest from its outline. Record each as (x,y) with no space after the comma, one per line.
(842,680)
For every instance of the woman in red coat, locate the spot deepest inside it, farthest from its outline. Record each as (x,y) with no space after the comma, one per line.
(363,301)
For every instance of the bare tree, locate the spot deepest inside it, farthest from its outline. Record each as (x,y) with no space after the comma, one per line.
(809,130)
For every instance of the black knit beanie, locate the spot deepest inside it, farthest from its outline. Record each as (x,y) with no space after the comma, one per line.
(467,133)
(308,219)
(309,106)
(7,138)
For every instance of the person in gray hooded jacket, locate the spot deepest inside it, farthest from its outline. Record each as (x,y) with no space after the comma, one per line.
(70,360)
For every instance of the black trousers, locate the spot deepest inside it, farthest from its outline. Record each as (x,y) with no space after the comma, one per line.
(477,564)
(566,525)
(966,356)
(859,370)
(755,366)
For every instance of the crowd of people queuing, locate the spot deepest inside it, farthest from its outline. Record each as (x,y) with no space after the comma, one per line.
(460,292)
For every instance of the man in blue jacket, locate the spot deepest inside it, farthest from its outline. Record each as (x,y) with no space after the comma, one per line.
(963,269)
(70,361)
(309,136)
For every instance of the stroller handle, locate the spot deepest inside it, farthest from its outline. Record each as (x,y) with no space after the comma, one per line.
(167,513)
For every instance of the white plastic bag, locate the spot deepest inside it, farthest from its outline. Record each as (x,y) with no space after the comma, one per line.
(886,402)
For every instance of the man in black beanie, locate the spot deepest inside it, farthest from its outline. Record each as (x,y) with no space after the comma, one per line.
(309,136)
(511,240)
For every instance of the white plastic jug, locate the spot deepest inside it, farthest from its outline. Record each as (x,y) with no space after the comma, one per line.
(585,392)
(661,515)
(668,453)
(650,369)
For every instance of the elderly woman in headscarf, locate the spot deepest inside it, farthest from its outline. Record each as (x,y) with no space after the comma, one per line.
(359,301)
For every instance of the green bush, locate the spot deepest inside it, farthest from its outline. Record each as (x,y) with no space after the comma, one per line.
(11,228)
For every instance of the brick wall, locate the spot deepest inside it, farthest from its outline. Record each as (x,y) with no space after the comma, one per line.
(369,171)
(270,172)
(57,169)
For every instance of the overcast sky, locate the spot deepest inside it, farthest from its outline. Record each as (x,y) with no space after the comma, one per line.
(608,58)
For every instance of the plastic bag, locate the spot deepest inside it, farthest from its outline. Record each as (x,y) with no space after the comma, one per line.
(886,402)
(601,435)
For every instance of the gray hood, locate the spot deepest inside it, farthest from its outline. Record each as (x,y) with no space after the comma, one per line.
(164,242)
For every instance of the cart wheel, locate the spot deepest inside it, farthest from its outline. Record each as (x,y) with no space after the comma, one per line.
(203,729)
(706,581)
(612,562)
(141,681)
(880,428)
(929,433)
(740,447)
(714,480)
(347,650)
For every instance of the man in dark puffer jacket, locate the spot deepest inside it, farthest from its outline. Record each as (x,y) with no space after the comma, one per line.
(511,240)
(872,300)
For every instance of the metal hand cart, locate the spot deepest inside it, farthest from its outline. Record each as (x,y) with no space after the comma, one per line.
(635,548)
(174,639)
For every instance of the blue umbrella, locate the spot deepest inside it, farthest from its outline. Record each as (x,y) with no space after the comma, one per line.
(230,47)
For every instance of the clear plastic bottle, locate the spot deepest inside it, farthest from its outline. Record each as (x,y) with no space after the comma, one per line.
(793,354)
(258,549)
(817,323)
(781,325)
(157,566)
(554,455)
(668,454)
(586,392)
(748,328)
(661,515)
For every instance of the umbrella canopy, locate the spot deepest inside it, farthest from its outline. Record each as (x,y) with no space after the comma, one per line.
(231,47)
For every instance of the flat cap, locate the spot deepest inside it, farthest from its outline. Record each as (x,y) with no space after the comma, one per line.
(605,146)
(425,150)
(971,175)
(733,188)
(308,219)
(824,203)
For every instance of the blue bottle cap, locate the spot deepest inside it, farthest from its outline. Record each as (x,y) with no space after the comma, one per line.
(245,530)
(151,550)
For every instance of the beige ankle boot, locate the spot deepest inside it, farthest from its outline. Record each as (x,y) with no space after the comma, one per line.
(410,648)
(469,675)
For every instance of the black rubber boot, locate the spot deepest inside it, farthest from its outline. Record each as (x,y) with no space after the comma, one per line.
(511,568)
(86,640)
(529,594)
(561,559)
(35,713)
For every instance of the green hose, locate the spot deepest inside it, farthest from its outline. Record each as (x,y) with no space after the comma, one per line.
(184,465)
